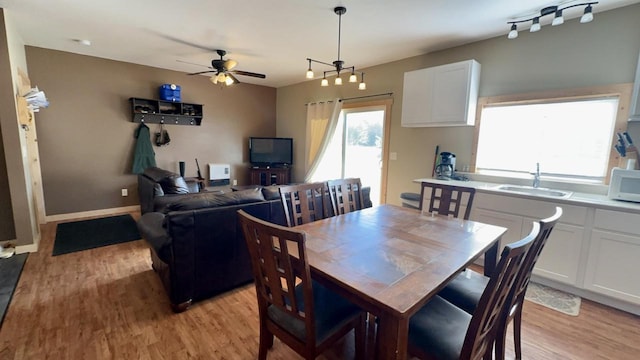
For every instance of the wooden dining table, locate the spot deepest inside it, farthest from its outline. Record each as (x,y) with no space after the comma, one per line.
(391,260)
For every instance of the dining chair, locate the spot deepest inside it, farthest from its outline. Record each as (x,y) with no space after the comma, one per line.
(302,313)
(305,203)
(466,289)
(440,330)
(346,195)
(447,199)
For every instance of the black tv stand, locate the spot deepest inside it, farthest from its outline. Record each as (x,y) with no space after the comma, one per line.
(265,175)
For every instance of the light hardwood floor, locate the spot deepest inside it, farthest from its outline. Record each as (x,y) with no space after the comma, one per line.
(107,303)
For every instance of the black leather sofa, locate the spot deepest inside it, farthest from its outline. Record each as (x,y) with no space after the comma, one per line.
(196,243)
(197,247)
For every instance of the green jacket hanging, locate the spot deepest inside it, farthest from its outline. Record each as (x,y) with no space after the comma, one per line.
(144,156)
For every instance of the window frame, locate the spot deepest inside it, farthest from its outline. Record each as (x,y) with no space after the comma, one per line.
(621,91)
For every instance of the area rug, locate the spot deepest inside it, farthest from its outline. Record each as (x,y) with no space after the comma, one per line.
(10,270)
(554,299)
(88,234)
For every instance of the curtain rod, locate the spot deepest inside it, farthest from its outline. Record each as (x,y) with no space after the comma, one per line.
(366,96)
(352,98)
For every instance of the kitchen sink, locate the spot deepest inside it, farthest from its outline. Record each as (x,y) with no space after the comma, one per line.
(529,190)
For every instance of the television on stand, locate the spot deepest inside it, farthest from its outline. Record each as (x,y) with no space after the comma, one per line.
(270,152)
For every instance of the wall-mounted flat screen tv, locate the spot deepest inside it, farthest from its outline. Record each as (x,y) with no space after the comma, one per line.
(270,151)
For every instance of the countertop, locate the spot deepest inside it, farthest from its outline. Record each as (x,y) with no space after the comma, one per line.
(576,198)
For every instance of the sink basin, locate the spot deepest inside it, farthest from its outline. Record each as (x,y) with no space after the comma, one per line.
(529,190)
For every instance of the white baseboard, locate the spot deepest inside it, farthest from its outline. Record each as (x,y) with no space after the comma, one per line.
(92,213)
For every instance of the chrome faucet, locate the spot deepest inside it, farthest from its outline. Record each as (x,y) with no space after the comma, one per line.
(536,176)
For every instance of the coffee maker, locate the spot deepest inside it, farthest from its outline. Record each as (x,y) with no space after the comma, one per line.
(447,165)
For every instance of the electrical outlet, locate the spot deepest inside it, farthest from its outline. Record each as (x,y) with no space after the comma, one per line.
(125,192)
(235,182)
(393,156)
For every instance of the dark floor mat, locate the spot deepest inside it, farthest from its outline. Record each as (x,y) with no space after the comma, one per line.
(10,270)
(89,234)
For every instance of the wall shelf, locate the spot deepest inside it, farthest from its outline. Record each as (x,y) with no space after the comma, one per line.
(165,112)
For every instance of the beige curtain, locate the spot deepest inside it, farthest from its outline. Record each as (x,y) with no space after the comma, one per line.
(322,118)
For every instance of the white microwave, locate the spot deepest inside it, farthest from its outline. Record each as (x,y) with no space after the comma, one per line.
(624,185)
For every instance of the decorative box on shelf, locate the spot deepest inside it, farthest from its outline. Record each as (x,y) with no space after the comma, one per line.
(170,92)
(165,112)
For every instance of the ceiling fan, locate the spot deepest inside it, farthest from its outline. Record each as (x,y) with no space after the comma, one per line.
(224,72)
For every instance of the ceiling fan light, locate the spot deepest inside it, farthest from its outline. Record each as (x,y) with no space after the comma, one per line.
(324,82)
(221,77)
(559,19)
(338,80)
(214,79)
(513,33)
(587,16)
(229,81)
(535,27)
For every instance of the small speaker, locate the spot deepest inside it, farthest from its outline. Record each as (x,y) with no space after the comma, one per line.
(182,165)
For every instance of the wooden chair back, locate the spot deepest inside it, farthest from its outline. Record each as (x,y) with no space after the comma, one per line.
(305,203)
(520,288)
(447,199)
(285,294)
(277,272)
(346,195)
(495,299)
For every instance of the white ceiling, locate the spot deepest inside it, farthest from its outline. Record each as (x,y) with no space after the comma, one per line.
(269,37)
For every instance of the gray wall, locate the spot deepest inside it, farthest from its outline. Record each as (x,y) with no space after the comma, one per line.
(573,55)
(86,135)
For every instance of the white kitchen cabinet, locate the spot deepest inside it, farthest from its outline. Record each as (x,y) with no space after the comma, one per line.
(612,265)
(444,95)
(560,257)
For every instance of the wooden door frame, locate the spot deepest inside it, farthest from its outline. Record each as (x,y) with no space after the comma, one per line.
(385,104)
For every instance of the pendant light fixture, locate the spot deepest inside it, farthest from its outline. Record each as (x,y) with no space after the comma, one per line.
(558,18)
(337,65)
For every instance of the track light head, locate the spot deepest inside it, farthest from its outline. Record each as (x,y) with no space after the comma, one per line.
(587,16)
(514,32)
(559,19)
(535,27)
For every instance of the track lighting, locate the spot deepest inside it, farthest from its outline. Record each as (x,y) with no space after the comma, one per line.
(338,65)
(558,18)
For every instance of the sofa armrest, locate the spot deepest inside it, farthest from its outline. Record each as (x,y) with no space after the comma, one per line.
(146,193)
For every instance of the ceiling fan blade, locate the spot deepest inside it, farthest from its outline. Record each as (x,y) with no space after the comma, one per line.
(202,72)
(235,80)
(247,73)
(190,63)
(230,64)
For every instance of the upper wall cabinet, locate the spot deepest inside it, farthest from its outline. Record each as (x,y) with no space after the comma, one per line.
(444,95)
(634,113)
(165,112)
